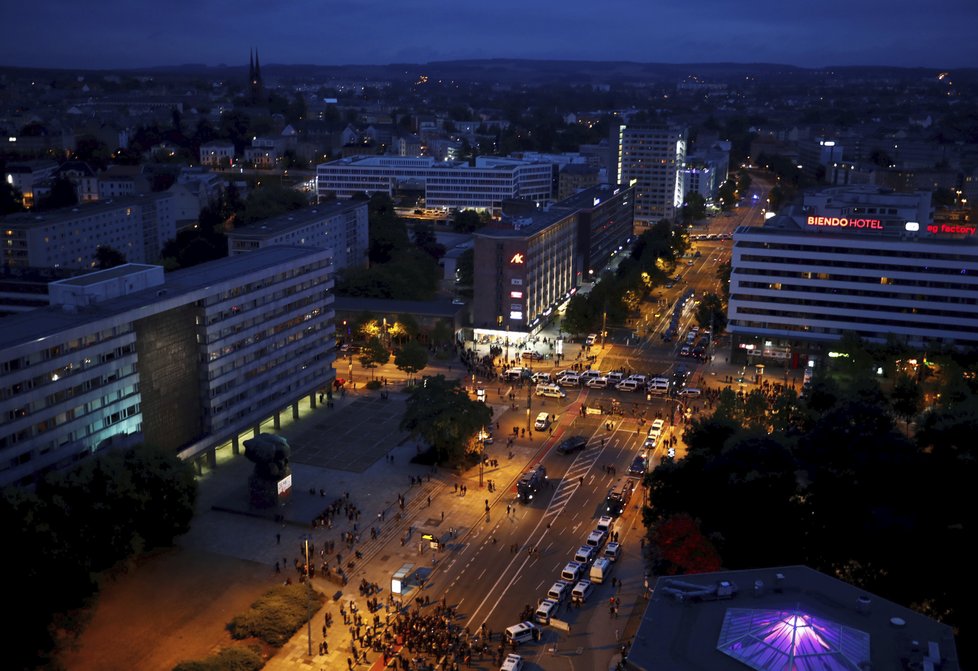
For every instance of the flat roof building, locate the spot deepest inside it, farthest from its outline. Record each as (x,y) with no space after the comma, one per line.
(526,266)
(851,262)
(187,361)
(790,617)
(652,159)
(68,237)
(446,184)
(338,225)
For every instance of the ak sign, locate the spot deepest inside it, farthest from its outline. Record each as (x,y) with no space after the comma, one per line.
(518,259)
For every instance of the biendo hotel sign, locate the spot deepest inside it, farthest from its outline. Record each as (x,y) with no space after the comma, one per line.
(845,222)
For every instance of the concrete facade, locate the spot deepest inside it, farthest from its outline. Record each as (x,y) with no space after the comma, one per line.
(186,362)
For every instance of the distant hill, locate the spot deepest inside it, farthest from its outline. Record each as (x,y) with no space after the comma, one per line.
(534,72)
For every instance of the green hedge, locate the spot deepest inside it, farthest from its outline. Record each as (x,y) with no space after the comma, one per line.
(229,659)
(278,614)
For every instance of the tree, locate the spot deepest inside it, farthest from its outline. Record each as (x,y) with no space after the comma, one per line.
(906,398)
(679,546)
(271,201)
(711,313)
(411,358)
(694,208)
(424,238)
(727,193)
(441,412)
(466,221)
(95,516)
(11,200)
(388,234)
(107,257)
(373,354)
(62,194)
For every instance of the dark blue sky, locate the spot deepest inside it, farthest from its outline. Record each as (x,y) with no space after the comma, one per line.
(811,33)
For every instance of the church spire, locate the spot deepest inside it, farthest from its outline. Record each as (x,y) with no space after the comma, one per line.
(254,76)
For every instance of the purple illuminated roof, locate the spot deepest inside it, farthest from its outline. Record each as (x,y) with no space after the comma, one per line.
(791,640)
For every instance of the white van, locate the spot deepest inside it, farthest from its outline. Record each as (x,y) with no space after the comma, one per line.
(600,570)
(571,572)
(581,591)
(558,591)
(597,538)
(658,386)
(589,341)
(543,421)
(585,554)
(612,551)
(627,385)
(690,391)
(541,378)
(551,390)
(569,380)
(604,523)
(614,377)
(522,633)
(597,382)
(546,609)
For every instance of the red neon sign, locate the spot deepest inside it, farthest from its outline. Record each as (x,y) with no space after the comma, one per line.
(953,229)
(845,222)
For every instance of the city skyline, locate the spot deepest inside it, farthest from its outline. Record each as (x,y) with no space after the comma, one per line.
(110,34)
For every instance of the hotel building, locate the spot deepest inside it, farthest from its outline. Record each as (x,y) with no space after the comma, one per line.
(187,362)
(446,184)
(859,260)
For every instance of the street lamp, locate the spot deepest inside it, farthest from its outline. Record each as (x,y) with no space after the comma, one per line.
(308,596)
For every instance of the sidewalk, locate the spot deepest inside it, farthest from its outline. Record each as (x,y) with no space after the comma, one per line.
(381,557)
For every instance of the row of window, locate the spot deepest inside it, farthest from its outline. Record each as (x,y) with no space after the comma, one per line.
(922,281)
(808,317)
(920,257)
(861,265)
(936,297)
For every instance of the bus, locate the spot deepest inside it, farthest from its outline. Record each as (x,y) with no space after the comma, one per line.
(619,495)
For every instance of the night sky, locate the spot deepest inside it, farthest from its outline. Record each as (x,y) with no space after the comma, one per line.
(134,33)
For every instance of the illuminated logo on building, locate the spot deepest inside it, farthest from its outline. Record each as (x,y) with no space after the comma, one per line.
(845,222)
(517,258)
(951,229)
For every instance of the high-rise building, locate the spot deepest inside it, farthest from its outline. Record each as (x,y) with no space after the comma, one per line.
(527,265)
(188,362)
(652,160)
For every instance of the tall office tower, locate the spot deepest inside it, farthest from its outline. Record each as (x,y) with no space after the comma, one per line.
(652,159)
